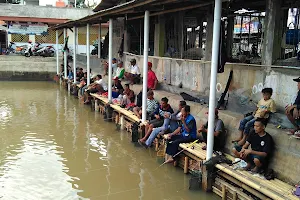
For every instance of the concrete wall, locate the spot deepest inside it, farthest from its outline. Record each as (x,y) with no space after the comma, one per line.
(15,10)
(286,158)
(248,80)
(31,69)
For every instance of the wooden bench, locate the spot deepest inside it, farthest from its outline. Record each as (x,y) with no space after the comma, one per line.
(100,102)
(126,119)
(259,187)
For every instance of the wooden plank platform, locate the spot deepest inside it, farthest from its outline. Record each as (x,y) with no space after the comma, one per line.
(274,189)
(128,114)
(104,100)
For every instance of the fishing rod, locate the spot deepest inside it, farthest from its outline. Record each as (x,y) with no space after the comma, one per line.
(190,145)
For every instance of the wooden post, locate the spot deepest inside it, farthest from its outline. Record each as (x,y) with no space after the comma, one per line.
(223,192)
(122,122)
(234,197)
(96,105)
(156,144)
(206,178)
(175,163)
(186,165)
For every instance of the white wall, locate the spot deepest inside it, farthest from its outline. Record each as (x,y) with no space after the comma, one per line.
(50,2)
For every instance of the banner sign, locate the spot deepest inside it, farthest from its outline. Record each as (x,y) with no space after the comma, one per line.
(28,29)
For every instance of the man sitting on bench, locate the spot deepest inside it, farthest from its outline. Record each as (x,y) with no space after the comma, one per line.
(159,115)
(293,112)
(219,133)
(265,107)
(261,146)
(171,123)
(152,105)
(98,86)
(134,75)
(186,133)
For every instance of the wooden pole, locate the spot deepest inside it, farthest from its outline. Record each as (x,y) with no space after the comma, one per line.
(223,192)
(186,165)
(206,178)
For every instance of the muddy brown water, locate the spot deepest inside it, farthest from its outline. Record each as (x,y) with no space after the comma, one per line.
(52,147)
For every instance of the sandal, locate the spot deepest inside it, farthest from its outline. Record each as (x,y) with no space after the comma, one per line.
(297,133)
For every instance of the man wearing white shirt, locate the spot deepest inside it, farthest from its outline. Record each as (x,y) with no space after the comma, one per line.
(99,85)
(134,75)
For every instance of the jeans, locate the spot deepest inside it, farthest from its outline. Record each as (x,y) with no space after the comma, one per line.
(156,131)
(82,90)
(246,124)
(171,124)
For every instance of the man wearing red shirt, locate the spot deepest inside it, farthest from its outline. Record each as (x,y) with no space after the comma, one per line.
(152,79)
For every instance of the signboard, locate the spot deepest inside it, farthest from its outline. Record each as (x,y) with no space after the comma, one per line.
(254,25)
(28,29)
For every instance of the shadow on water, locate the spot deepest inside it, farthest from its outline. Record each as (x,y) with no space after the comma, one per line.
(52,147)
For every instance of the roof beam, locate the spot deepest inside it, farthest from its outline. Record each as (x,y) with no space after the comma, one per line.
(173,10)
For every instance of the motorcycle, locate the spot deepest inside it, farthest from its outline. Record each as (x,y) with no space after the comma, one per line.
(48,51)
(32,50)
(10,49)
(95,50)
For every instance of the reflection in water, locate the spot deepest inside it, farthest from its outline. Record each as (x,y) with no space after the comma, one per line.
(52,147)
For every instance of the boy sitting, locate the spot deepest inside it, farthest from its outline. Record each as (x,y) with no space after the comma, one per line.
(265,107)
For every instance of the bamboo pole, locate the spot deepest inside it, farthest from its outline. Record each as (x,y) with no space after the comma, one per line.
(186,165)
(249,184)
(223,192)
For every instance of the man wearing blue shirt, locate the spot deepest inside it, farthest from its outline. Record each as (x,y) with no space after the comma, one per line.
(185,133)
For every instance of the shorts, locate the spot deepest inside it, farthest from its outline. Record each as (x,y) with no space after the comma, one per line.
(156,123)
(250,158)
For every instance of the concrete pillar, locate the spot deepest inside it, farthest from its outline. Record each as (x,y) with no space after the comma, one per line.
(200,35)
(272,32)
(99,41)
(159,37)
(209,36)
(32,38)
(145,68)
(57,53)
(8,39)
(229,37)
(88,54)
(126,39)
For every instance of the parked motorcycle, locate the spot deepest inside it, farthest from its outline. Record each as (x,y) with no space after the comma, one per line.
(48,51)
(10,49)
(95,50)
(32,50)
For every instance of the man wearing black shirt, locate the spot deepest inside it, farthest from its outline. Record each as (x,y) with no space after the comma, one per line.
(293,112)
(117,88)
(261,146)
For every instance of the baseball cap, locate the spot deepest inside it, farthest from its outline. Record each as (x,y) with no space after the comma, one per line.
(116,78)
(149,64)
(297,79)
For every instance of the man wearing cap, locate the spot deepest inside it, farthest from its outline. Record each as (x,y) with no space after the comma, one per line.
(219,132)
(151,83)
(152,79)
(293,111)
(117,88)
(134,72)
